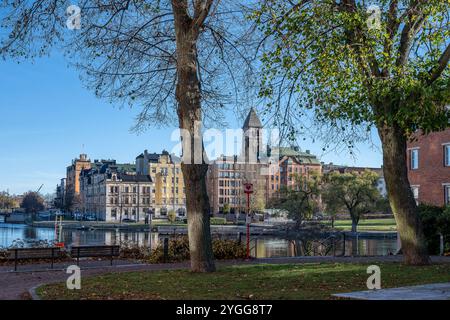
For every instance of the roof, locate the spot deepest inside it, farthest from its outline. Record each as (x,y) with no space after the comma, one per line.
(302,157)
(126,167)
(154,157)
(252,120)
(135,178)
(344,169)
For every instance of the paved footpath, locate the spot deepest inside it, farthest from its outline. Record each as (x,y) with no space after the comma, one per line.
(434,291)
(16,285)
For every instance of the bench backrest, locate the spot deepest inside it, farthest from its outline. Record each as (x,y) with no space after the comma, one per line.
(94,251)
(33,253)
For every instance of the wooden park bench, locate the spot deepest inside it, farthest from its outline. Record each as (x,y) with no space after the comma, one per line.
(94,251)
(32,253)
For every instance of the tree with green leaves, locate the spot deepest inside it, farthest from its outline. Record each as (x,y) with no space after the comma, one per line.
(177,60)
(301,199)
(226,208)
(352,192)
(352,67)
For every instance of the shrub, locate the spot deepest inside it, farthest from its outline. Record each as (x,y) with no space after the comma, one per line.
(228,249)
(3,254)
(435,221)
(179,250)
(130,250)
(217,221)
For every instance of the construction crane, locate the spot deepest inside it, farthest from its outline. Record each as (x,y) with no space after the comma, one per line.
(39,188)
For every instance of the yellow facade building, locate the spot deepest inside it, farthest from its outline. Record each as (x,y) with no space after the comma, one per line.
(165,171)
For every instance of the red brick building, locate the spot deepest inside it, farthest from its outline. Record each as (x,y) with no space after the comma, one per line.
(429,168)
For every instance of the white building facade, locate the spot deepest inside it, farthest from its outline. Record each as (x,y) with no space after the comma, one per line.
(114,195)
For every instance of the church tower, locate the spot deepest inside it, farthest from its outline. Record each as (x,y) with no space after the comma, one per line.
(253,146)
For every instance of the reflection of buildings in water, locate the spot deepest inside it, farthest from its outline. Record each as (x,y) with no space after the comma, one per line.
(268,248)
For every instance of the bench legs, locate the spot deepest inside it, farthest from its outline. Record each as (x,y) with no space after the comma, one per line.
(15,260)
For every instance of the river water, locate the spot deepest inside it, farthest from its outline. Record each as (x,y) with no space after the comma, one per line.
(261,246)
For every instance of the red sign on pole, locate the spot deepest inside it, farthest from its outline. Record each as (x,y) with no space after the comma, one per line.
(248,187)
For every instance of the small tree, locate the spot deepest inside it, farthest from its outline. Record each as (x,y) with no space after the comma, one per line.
(72,202)
(6,201)
(301,200)
(226,208)
(32,203)
(355,193)
(172,216)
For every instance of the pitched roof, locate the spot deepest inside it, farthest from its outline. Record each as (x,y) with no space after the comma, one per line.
(135,178)
(303,157)
(252,120)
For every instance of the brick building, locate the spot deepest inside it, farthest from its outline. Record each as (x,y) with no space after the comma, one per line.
(73,174)
(292,162)
(429,167)
(268,169)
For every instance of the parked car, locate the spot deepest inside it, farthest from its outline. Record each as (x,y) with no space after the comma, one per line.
(77,216)
(90,217)
(126,220)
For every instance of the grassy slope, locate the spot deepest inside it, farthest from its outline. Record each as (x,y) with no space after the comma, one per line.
(306,281)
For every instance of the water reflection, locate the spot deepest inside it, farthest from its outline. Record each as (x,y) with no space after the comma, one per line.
(266,247)
(261,246)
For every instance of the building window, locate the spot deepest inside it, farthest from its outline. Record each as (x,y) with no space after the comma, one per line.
(414,159)
(447,194)
(447,155)
(415,190)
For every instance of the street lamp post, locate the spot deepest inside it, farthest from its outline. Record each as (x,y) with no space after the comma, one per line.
(248,189)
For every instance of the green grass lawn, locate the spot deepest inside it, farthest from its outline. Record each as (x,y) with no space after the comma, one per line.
(367,225)
(305,281)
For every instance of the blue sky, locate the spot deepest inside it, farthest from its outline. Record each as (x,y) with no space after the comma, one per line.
(47,116)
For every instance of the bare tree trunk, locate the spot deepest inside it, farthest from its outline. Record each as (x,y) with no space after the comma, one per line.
(401,197)
(188,95)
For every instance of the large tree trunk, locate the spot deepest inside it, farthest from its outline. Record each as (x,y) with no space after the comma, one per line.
(194,168)
(401,197)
